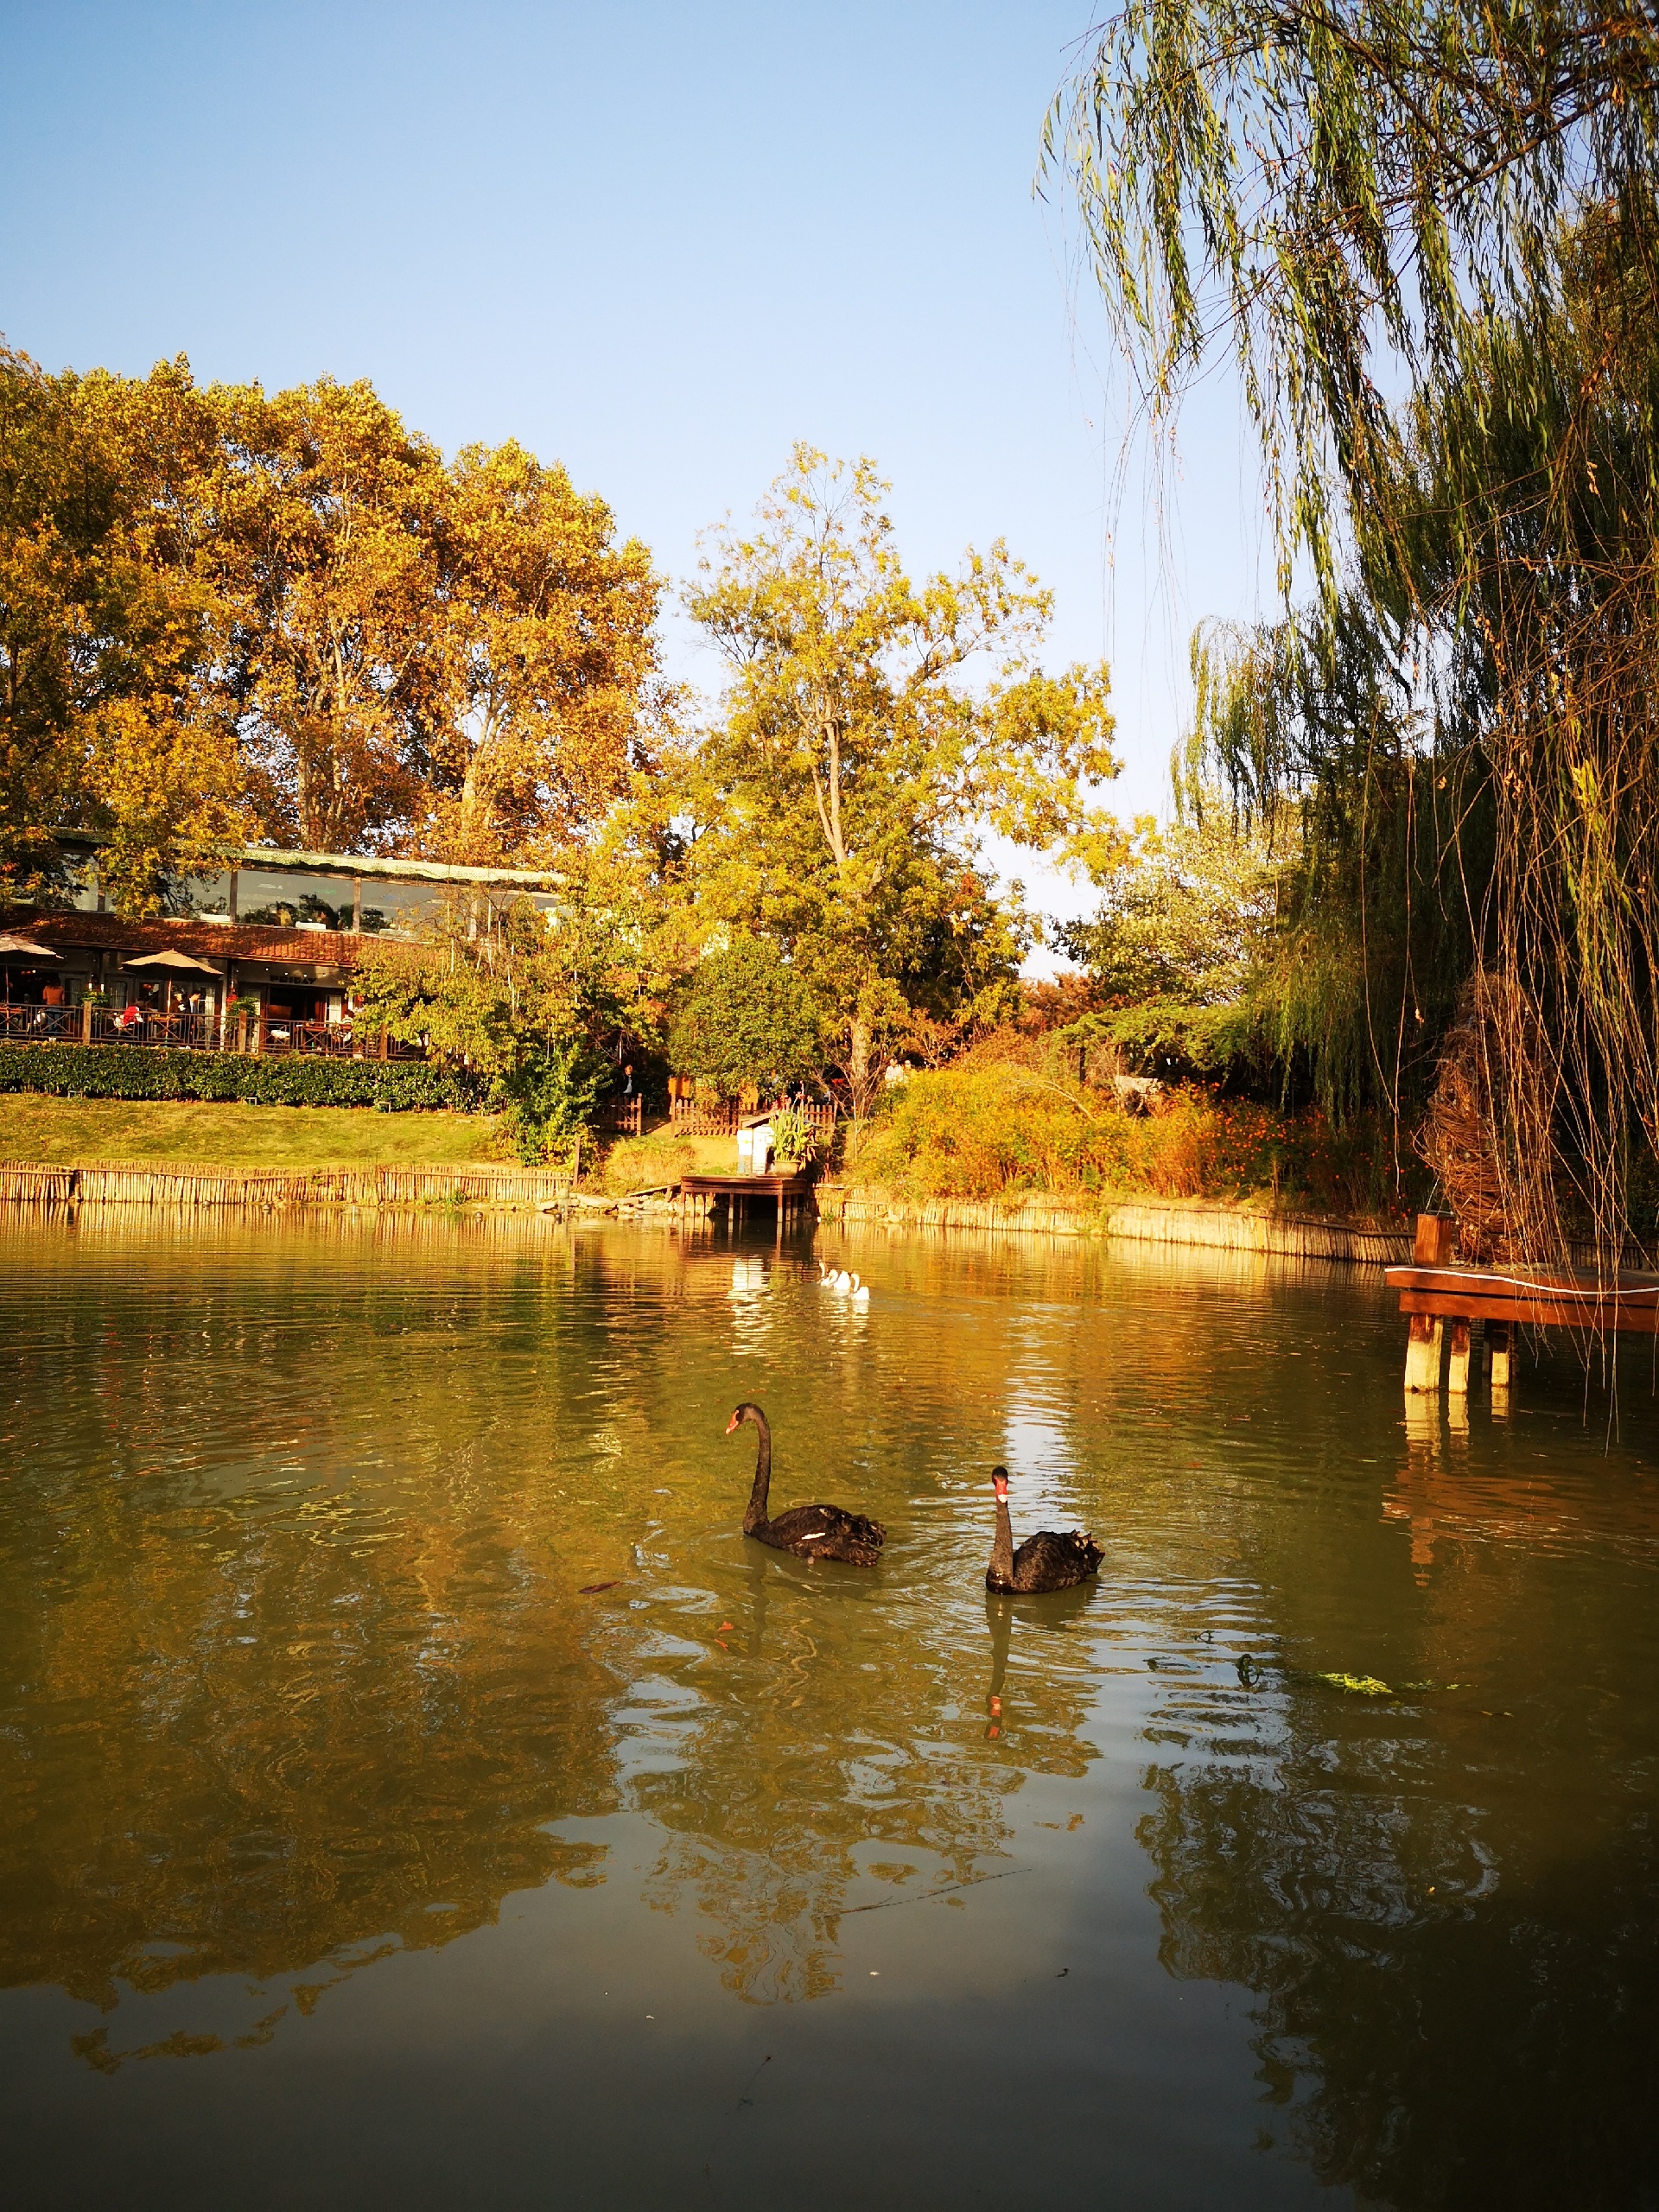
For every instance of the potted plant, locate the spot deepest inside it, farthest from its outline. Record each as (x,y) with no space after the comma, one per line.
(794,1140)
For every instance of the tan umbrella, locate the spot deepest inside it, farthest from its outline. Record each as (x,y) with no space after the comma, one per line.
(170,959)
(27,945)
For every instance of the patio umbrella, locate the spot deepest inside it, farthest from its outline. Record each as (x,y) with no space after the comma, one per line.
(28,946)
(170,959)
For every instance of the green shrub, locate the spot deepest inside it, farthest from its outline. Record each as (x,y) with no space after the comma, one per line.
(746,1017)
(140,1071)
(548,1095)
(984,1131)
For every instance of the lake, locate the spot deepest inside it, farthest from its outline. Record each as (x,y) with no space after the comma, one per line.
(415,1790)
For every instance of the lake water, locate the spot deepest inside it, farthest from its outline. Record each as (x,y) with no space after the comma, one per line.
(354,1850)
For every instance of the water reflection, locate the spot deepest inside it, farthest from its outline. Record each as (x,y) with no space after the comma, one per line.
(359,1580)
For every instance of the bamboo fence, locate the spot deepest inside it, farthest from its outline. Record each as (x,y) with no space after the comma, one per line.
(1298,1236)
(190,1186)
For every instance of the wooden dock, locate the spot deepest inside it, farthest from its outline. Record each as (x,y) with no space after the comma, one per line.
(1435,1289)
(788,1195)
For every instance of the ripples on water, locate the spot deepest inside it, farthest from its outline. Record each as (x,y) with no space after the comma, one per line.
(354,1845)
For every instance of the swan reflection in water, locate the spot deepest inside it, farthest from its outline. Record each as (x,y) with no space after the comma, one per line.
(1001,1609)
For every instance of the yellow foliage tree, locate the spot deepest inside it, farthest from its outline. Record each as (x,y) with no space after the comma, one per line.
(110,718)
(542,682)
(842,799)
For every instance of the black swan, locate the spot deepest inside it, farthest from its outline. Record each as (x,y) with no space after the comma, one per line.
(1045,1562)
(809,1531)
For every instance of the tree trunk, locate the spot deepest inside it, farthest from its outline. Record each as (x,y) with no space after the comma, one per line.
(859,1081)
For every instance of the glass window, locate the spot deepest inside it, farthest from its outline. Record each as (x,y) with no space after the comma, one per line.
(393,908)
(200,894)
(285,899)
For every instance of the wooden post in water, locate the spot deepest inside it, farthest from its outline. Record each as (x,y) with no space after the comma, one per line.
(1432,1247)
(1423,1353)
(1497,1337)
(1457,1366)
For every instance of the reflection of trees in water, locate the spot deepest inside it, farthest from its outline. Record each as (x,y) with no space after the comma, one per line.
(294,1598)
(1438,2032)
(261,1727)
(808,1778)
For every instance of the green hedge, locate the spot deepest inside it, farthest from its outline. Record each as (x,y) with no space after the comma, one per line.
(141,1071)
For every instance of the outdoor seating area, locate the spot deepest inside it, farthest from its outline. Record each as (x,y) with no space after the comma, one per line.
(190,1029)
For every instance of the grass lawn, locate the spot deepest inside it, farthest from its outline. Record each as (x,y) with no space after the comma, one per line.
(78,1132)
(637,1163)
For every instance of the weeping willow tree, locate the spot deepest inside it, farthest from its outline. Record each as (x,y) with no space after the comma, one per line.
(1426,234)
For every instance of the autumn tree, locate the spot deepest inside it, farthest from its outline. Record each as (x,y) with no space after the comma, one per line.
(1425,234)
(1186,935)
(541,681)
(745,1017)
(110,628)
(841,801)
(537,999)
(325,520)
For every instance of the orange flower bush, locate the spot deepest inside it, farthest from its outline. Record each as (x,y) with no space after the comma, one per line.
(978,1131)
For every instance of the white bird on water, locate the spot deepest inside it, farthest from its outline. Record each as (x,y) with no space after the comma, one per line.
(860,1291)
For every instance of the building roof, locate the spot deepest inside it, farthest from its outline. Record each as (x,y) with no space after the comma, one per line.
(359,864)
(67,930)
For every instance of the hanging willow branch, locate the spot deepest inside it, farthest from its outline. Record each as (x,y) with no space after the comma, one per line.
(1428,233)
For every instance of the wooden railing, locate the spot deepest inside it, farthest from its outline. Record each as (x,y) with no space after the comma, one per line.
(196,1032)
(621,1117)
(41,1025)
(720,1118)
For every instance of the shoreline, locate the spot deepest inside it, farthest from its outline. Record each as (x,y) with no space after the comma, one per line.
(189,1185)
(1201,1223)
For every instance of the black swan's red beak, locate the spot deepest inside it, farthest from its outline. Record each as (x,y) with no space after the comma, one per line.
(731,1424)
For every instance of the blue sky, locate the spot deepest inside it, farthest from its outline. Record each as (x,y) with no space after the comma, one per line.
(658,243)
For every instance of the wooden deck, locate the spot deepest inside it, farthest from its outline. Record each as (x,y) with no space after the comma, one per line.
(788,1189)
(1435,1289)
(1544,1299)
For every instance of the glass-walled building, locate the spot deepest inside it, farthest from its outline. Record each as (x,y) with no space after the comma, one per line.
(268,940)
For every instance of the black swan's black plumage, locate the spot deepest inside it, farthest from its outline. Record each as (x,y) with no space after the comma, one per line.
(809,1531)
(1048,1560)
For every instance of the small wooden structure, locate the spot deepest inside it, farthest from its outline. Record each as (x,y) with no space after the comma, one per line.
(791,1195)
(1434,1289)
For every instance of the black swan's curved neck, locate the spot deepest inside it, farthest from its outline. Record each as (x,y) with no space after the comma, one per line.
(1002,1549)
(755,1517)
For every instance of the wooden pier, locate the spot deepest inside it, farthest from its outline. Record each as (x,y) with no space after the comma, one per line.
(790,1195)
(1435,1289)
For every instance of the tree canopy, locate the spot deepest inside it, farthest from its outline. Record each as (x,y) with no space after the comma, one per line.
(1425,232)
(227,616)
(746,1017)
(839,804)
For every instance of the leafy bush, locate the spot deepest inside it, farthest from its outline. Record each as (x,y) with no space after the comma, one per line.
(746,1017)
(550,1092)
(989,1130)
(793,1136)
(140,1071)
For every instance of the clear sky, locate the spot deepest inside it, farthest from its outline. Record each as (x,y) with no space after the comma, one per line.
(656,242)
